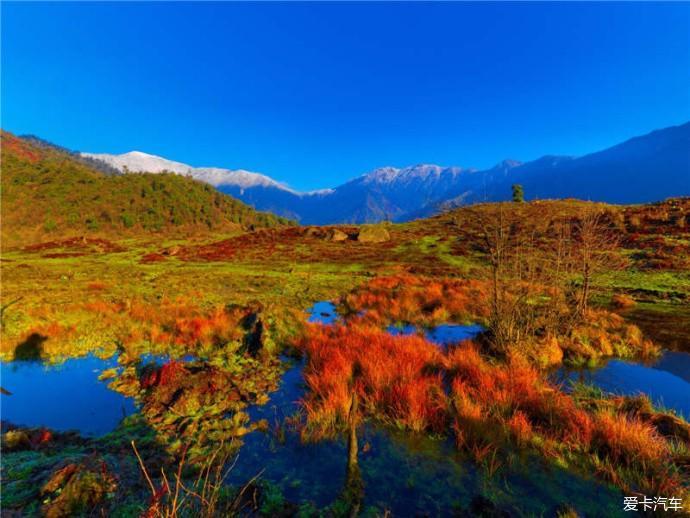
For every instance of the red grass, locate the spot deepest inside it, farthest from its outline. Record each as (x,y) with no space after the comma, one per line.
(516,394)
(170,322)
(410,298)
(622,301)
(627,439)
(396,378)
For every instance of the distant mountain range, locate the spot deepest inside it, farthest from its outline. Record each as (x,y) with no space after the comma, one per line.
(643,169)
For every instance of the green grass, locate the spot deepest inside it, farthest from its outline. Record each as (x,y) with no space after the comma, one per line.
(662,282)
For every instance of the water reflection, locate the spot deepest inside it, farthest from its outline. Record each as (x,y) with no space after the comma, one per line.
(66,396)
(667,382)
(323,312)
(409,474)
(444,334)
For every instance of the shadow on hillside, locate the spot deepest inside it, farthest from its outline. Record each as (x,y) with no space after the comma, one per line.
(30,349)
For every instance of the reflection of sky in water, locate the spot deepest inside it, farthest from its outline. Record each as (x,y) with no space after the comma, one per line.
(444,334)
(161,359)
(63,397)
(323,313)
(406,473)
(667,382)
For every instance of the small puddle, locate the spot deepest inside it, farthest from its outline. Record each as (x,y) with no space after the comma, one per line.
(444,334)
(323,313)
(65,396)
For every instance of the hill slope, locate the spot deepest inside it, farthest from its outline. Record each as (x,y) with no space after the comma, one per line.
(45,191)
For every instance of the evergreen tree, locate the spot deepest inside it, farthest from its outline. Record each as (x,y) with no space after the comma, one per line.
(518,193)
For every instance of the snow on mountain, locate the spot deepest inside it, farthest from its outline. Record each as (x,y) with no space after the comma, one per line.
(138,162)
(420,172)
(645,168)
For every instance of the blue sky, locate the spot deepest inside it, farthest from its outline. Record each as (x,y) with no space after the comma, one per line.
(314,94)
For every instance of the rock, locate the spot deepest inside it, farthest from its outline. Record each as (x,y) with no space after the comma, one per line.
(337,235)
(373,234)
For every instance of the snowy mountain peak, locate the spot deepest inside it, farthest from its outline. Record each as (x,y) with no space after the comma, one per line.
(139,162)
(419,172)
(381,175)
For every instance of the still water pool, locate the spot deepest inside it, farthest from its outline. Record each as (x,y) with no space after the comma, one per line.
(65,396)
(666,382)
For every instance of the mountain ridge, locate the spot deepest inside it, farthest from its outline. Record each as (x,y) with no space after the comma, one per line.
(643,168)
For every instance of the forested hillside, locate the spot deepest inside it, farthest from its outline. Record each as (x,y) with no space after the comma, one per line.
(46,192)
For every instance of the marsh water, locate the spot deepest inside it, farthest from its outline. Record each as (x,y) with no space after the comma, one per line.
(63,396)
(409,474)
(403,472)
(666,381)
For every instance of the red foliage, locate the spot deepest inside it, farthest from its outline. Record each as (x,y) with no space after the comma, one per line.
(165,375)
(396,377)
(90,244)
(153,257)
(41,437)
(514,393)
(18,147)
(410,298)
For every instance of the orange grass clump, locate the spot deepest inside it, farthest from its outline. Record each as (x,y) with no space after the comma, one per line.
(409,298)
(397,378)
(486,403)
(513,393)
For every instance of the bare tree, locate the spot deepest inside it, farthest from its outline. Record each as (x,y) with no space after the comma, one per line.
(594,244)
(541,267)
(515,266)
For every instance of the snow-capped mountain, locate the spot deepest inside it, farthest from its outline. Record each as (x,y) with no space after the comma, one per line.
(643,169)
(138,162)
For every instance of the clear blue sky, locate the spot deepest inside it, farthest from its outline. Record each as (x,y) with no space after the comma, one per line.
(314,94)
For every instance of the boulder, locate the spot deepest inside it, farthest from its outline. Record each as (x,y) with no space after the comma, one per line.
(16,440)
(373,234)
(337,235)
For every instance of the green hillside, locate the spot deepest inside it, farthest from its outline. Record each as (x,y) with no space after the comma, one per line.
(46,193)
